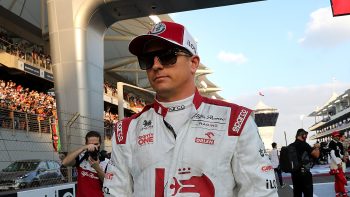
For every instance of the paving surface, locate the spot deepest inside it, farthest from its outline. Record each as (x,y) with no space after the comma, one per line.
(323,183)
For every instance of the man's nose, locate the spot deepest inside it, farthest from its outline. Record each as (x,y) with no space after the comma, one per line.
(156,63)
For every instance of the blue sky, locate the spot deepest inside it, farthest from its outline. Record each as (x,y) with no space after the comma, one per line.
(293,51)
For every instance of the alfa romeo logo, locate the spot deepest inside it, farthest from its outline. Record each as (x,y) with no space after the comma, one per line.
(158,28)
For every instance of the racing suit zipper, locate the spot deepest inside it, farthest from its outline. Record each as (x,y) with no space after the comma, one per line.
(170,128)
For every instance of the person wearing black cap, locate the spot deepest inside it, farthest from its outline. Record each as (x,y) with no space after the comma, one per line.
(185,144)
(302,179)
(336,161)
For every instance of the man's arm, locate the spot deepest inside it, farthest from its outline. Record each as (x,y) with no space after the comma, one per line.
(69,160)
(118,180)
(251,166)
(315,153)
(96,165)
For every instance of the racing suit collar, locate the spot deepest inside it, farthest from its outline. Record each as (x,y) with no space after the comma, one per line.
(161,110)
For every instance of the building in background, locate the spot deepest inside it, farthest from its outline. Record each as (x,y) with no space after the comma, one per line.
(334,115)
(266,119)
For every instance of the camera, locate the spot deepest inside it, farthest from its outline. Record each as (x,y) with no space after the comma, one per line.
(94,154)
(103,155)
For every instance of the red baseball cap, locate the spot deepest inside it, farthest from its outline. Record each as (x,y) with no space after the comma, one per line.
(336,134)
(166,31)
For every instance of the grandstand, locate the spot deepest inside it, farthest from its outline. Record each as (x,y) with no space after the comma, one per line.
(334,115)
(28,110)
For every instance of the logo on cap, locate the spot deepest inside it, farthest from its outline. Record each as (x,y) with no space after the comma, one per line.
(158,28)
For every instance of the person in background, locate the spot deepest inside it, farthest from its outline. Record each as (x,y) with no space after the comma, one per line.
(336,161)
(185,144)
(302,179)
(275,160)
(90,172)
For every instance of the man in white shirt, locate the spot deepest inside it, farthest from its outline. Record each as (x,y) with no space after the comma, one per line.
(275,160)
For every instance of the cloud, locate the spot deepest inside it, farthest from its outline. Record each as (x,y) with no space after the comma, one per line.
(324,30)
(238,58)
(292,103)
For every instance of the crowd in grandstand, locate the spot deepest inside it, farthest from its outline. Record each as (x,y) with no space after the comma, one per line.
(16,98)
(135,103)
(24,50)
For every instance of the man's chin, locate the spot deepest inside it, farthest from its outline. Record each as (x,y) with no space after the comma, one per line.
(163,91)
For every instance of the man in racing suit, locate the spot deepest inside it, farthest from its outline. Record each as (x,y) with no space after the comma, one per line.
(185,144)
(336,166)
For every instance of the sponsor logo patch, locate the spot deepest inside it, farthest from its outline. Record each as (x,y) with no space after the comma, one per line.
(89,174)
(208,117)
(147,124)
(192,46)
(240,119)
(176,108)
(158,28)
(109,176)
(145,139)
(271,184)
(119,132)
(207,140)
(106,190)
(263,152)
(266,168)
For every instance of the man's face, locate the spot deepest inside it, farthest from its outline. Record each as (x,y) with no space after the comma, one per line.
(93,140)
(170,80)
(342,138)
(304,137)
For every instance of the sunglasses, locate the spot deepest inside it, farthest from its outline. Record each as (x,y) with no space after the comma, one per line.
(166,57)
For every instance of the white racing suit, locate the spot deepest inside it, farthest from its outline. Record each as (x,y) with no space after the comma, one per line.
(218,152)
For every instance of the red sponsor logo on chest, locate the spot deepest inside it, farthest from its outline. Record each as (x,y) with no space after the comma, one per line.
(109,176)
(203,141)
(145,139)
(208,140)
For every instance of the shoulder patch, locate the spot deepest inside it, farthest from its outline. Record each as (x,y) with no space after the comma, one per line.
(121,127)
(238,118)
(121,130)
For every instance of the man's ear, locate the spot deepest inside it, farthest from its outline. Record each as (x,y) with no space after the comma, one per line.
(194,63)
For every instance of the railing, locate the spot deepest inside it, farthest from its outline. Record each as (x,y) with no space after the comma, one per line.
(16,120)
(33,59)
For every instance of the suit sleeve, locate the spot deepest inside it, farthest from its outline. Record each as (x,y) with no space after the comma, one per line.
(118,180)
(251,167)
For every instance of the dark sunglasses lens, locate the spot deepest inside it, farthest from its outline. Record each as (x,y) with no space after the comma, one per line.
(168,58)
(165,57)
(146,62)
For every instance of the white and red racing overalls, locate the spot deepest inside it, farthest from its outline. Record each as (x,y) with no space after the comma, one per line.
(218,152)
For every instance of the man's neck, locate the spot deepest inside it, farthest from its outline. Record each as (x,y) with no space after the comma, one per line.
(300,138)
(171,97)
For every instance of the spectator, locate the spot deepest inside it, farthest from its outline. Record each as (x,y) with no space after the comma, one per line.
(302,179)
(275,160)
(336,163)
(90,170)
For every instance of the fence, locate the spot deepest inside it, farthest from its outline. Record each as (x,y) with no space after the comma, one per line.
(29,147)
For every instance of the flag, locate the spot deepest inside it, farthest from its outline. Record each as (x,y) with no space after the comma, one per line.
(261,94)
(340,7)
(56,136)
